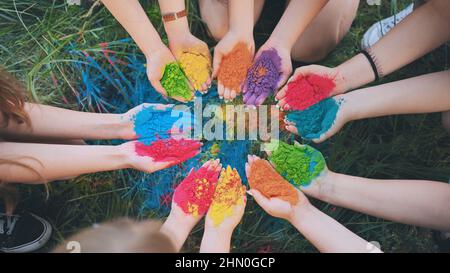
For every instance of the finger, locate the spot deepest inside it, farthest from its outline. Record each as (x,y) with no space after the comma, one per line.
(292,129)
(206,164)
(260,100)
(262,201)
(288,122)
(251,100)
(281,104)
(282,93)
(247,169)
(227,94)
(233,94)
(220,90)
(158,87)
(204,88)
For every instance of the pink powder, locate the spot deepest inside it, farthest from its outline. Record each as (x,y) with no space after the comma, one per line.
(308,90)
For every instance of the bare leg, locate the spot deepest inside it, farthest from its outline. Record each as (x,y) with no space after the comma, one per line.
(215,14)
(325,31)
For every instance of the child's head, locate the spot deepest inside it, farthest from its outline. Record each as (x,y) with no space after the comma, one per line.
(123,235)
(12,100)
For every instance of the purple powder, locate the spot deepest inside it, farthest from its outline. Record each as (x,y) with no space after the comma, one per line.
(262,77)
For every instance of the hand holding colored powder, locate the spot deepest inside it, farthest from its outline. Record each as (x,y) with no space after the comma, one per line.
(197,68)
(307,90)
(263,178)
(158,121)
(173,151)
(233,70)
(229,200)
(299,164)
(262,78)
(195,193)
(175,83)
(316,122)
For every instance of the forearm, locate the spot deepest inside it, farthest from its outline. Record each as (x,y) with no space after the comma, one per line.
(58,123)
(241,16)
(176,231)
(214,241)
(294,21)
(423,94)
(414,202)
(176,27)
(419,33)
(325,233)
(40,163)
(132,17)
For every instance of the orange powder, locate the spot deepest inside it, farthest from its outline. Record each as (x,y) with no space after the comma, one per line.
(234,66)
(267,181)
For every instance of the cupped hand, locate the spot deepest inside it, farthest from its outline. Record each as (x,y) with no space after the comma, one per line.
(222,49)
(331,73)
(156,64)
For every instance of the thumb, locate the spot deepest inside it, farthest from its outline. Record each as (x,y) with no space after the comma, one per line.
(158,87)
(262,201)
(283,79)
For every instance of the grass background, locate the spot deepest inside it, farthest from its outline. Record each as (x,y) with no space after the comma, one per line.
(32,34)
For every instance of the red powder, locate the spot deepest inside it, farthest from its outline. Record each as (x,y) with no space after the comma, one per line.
(269,183)
(307,90)
(169,150)
(195,193)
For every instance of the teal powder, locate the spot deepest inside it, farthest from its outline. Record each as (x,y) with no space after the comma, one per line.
(314,121)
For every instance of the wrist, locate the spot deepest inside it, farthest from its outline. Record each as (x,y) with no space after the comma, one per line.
(356,72)
(176,229)
(157,46)
(322,187)
(177,28)
(216,240)
(301,214)
(278,41)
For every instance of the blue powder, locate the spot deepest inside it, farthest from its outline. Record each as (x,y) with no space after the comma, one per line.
(151,124)
(314,121)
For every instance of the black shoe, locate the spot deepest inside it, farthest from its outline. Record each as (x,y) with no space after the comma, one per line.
(23,233)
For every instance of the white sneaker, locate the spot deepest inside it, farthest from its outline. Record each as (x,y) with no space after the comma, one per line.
(380,28)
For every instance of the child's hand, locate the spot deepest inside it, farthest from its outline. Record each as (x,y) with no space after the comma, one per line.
(199,76)
(146,163)
(156,63)
(286,63)
(276,206)
(340,83)
(222,49)
(341,118)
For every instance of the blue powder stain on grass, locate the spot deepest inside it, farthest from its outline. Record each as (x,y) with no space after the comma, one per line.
(316,120)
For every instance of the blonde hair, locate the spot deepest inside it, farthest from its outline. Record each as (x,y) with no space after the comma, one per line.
(120,236)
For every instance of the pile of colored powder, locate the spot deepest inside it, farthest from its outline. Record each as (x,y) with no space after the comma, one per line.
(169,150)
(197,68)
(307,90)
(316,120)
(298,164)
(269,183)
(195,193)
(151,123)
(175,83)
(262,77)
(234,66)
(229,193)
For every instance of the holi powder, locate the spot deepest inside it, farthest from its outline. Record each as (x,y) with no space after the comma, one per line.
(151,123)
(197,68)
(262,78)
(175,83)
(300,165)
(307,90)
(229,193)
(267,181)
(195,193)
(234,66)
(316,120)
(169,150)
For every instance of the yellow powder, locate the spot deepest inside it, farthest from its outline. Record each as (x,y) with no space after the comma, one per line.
(229,193)
(197,68)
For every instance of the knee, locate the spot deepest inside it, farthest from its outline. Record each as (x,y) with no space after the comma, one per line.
(216,24)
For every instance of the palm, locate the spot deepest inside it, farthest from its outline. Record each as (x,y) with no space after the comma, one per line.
(230,222)
(286,64)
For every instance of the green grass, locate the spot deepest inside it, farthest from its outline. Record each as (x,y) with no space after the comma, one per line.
(32,34)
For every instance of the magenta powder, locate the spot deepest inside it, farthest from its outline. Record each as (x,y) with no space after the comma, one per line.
(262,77)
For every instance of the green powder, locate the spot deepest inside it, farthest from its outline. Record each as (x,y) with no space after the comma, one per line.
(297,164)
(175,82)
